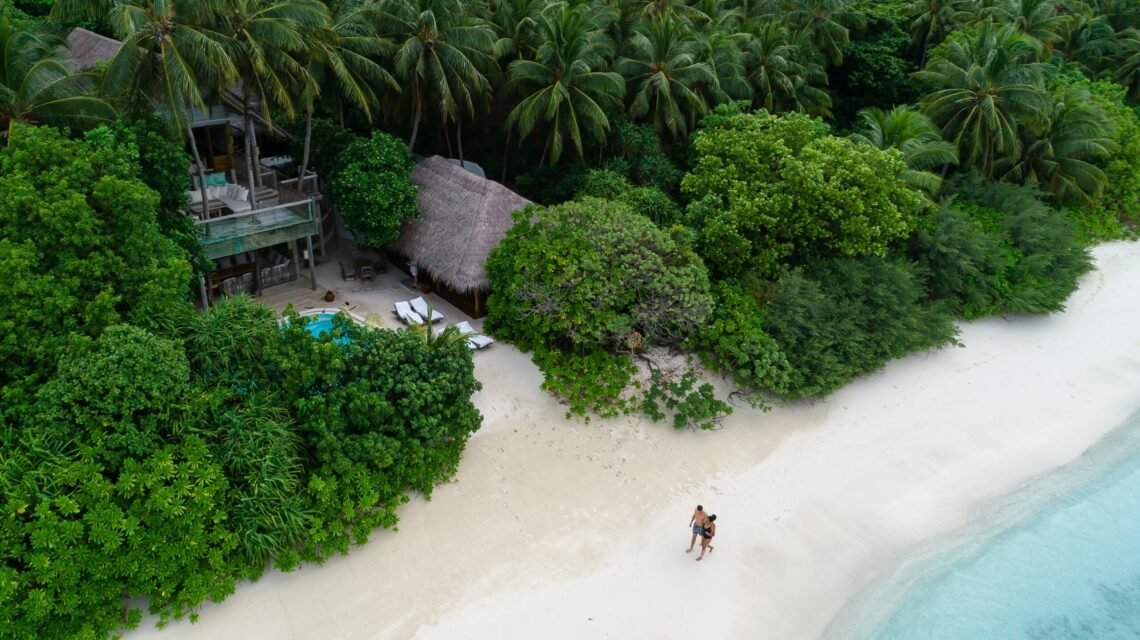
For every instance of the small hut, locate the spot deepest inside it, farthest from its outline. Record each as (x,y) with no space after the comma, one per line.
(462,217)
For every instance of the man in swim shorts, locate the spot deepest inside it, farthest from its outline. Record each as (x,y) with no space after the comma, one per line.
(696,523)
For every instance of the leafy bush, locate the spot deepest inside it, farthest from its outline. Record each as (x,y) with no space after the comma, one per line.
(594,383)
(691,405)
(652,203)
(837,319)
(1040,257)
(736,341)
(162,164)
(151,468)
(585,274)
(603,183)
(373,188)
(81,249)
(779,189)
(965,264)
(118,394)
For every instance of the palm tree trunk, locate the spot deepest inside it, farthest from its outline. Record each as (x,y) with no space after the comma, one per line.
(256,152)
(416,122)
(459,139)
(506,150)
(308,144)
(447,138)
(249,150)
(201,172)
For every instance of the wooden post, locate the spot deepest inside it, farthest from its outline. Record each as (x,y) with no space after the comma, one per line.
(312,262)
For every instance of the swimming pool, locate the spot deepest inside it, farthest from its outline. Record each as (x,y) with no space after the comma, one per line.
(322,321)
(1067,570)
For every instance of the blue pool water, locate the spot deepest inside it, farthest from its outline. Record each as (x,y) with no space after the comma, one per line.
(1068,570)
(321,323)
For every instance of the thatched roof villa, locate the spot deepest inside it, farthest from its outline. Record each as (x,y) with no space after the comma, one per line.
(87,48)
(462,217)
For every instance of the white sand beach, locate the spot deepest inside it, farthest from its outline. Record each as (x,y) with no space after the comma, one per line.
(561,529)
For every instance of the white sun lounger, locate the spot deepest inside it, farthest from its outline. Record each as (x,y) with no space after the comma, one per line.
(475,340)
(421,307)
(406,315)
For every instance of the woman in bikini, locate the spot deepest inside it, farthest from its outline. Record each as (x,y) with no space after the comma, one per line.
(708,532)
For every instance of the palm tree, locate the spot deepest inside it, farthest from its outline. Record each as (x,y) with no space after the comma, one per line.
(783,72)
(342,53)
(723,42)
(912,134)
(36,84)
(1085,40)
(666,76)
(441,58)
(987,86)
(1062,158)
(933,20)
(517,29)
(1035,18)
(569,92)
(1127,62)
(824,21)
(173,56)
(266,41)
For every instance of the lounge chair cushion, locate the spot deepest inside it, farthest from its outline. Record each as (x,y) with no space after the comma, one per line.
(406,314)
(474,339)
(421,307)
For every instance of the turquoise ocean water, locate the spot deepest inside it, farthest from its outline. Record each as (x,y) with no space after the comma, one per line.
(1064,566)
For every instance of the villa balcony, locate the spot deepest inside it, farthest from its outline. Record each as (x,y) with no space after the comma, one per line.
(265,227)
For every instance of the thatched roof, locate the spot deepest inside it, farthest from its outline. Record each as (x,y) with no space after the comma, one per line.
(87,47)
(462,217)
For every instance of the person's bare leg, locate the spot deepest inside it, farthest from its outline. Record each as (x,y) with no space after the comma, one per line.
(704,545)
(692,543)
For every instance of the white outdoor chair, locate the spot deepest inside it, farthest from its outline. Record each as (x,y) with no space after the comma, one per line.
(406,315)
(475,340)
(421,307)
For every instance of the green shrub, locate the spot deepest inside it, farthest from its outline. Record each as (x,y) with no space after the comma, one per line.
(586,274)
(652,203)
(593,383)
(837,319)
(1041,257)
(736,341)
(965,260)
(690,404)
(779,189)
(603,183)
(373,188)
(81,250)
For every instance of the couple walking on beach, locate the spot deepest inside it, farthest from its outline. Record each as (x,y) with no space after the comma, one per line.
(703,525)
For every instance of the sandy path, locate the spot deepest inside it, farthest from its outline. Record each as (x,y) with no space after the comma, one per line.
(564,530)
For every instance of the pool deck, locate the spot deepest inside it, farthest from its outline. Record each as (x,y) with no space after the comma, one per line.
(360,297)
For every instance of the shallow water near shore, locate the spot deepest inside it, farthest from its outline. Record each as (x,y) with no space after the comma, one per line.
(1060,560)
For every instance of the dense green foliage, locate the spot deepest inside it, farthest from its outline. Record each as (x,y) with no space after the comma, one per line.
(151,452)
(836,319)
(781,189)
(998,249)
(373,188)
(82,250)
(736,341)
(589,273)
